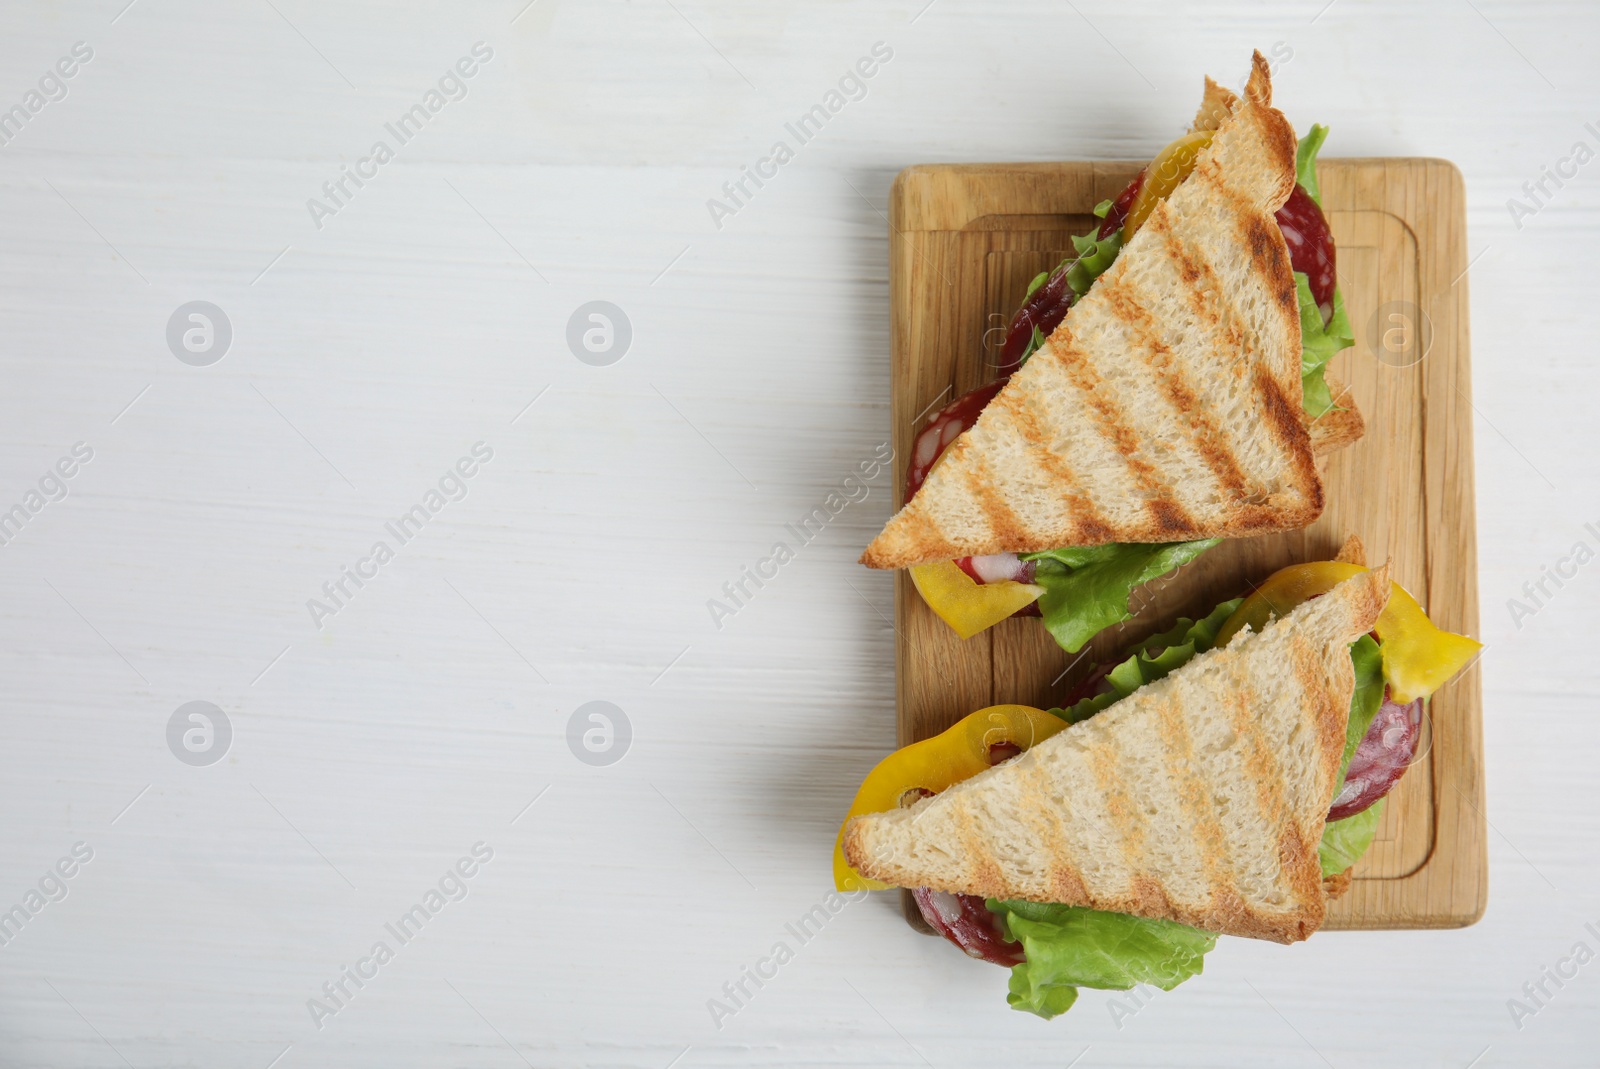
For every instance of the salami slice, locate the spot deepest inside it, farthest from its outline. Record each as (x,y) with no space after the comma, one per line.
(1381,758)
(966,921)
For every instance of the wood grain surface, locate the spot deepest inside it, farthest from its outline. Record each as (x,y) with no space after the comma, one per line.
(372,349)
(966,239)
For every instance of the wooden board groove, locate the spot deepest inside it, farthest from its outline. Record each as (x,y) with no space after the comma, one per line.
(965,240)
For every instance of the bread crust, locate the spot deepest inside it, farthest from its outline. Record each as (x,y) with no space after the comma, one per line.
(1217,104)
(1353,551)
(1340,426)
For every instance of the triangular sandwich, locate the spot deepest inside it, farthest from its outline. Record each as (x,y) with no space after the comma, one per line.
(1167,405)
(1200,798)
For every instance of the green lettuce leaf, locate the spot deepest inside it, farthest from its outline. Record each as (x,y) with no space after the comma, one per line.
(1319,344)
(1367,659)
(1344,841)
(1069,947)
(1086,708)
(1153,658)
(1086,588)
(1305,161)
(1094,256)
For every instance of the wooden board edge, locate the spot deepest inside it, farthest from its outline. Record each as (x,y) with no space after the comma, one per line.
(921,195)
(1449,472)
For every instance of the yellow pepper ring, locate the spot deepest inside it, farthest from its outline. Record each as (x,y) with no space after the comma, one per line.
(934,764)
(967,605)
(1418,657)
(1170,167)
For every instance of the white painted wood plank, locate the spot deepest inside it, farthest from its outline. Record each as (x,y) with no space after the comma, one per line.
(426,314)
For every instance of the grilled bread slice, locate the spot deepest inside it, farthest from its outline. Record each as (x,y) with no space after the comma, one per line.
(1200,798)
(1166,406)
(1342,425)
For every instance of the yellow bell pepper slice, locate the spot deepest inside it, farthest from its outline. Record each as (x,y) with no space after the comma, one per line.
(1418,657)
(1172,165)
(934,764)
(965,604)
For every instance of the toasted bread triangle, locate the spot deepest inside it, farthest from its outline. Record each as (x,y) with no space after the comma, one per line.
(1200,798)
(1167,404)
(1341,425)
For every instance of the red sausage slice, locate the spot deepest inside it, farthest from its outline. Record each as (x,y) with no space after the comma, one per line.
(967,922)
(1381,758)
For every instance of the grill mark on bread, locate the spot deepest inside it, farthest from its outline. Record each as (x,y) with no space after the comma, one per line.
(1271,255)
(1203,285)
(1067,885)
(1288,299)
(1298,863)
(1281,416)
(1124,820)
(983,868)
(1005,526)
(1226,904)
(1171,520)
(1116,429)
(1269,263)
(1326,721)
(1207,296)
(1304,871)
(1090,524)
(1151,899)
(1259,230)
(1257,753)
(1204,434)
(1228,317)
(1195,798)
(1284,421)
(1262,247)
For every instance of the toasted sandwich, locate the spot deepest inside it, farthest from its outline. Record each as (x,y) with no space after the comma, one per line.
(1220,780)
(1162,390)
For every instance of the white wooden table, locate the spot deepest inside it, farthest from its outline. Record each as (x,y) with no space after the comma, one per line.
(376,739)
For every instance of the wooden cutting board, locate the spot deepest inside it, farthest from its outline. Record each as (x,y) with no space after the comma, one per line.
(966,240)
